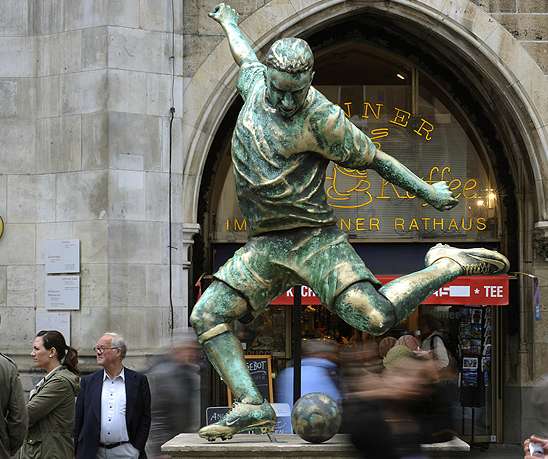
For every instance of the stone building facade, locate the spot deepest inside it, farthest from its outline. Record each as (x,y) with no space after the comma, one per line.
(86,88)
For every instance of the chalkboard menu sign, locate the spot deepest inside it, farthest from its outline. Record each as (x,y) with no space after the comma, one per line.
(260,368)
(215,413)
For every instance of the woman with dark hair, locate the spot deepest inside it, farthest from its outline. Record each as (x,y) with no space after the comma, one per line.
(52,401)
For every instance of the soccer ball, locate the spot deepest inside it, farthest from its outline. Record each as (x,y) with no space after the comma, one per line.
(316,417)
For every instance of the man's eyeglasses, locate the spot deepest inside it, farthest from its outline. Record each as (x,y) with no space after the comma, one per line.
(101,349)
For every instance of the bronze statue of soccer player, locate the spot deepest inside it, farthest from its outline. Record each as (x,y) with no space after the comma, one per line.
(285,136)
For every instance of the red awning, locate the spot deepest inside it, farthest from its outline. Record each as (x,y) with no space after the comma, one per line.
(464,291)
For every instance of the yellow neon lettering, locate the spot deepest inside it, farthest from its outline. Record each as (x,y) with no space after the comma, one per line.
(453,224)
(359,224)
(240,226)
(379,133)
(413,225)
(398,223)
(399,118)
(384,184)
(367,106)
(445,170)
(348,109)
(425,221)
(470,185)
(463,224)
(426,127)
(454,185)
(431,173)
(481,224)
(345,223)
(227,224)
(438,222)
(375,223)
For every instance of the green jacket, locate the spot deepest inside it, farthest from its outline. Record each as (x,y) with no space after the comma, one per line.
(13,411)
(51,418)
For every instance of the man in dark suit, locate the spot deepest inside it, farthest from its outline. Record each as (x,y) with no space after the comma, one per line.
(113,407)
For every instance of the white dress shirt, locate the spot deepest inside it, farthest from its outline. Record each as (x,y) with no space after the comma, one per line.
(113,409)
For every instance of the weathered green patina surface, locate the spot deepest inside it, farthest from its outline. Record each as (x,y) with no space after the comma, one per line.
(285,136)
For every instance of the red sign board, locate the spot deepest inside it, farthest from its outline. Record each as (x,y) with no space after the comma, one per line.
(463,291)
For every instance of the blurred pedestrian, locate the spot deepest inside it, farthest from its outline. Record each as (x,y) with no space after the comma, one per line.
(51,402)
(398,410)
(385,344)
(174,380)
(541,445)
(13,410)
(113,407)
(409,341)
(433,340)
(356,362)
(319,372)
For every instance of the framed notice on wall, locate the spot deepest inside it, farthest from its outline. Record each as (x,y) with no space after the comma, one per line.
(260,368)
(62,256)
(63,292)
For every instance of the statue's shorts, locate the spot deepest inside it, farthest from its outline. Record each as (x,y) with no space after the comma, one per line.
(271,263)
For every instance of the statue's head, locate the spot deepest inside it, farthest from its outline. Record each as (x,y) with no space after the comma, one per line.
(289,75)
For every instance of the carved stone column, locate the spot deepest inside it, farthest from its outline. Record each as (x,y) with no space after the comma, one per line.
(189,230)
(540,241)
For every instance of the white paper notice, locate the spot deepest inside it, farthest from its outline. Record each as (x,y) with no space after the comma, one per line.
(63,292)
(62,256)
(60,321)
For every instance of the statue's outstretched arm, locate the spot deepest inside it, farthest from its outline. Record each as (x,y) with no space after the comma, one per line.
(240,46)
(438,194)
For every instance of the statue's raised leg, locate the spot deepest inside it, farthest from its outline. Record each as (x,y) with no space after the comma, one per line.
(367,309)
(211,318)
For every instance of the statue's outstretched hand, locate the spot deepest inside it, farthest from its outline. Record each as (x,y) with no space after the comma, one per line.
(224,14)
(441,197)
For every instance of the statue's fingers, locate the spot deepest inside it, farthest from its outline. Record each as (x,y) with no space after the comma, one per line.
(216,10)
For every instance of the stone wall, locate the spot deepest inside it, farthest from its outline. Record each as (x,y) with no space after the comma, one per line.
(85,96)
(527,20)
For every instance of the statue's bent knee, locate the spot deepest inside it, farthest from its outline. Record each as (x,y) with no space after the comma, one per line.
(364,308)
(218,307)
(380,323)
(197,319)
(204,328)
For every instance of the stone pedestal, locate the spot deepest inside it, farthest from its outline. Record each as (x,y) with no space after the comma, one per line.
(190,446)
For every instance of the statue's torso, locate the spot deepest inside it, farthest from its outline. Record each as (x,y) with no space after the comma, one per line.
(279,179)
(280,163)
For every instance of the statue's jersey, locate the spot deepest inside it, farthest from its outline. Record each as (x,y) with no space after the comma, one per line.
(280,164)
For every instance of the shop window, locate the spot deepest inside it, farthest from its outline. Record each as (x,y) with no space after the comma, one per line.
(468,333)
